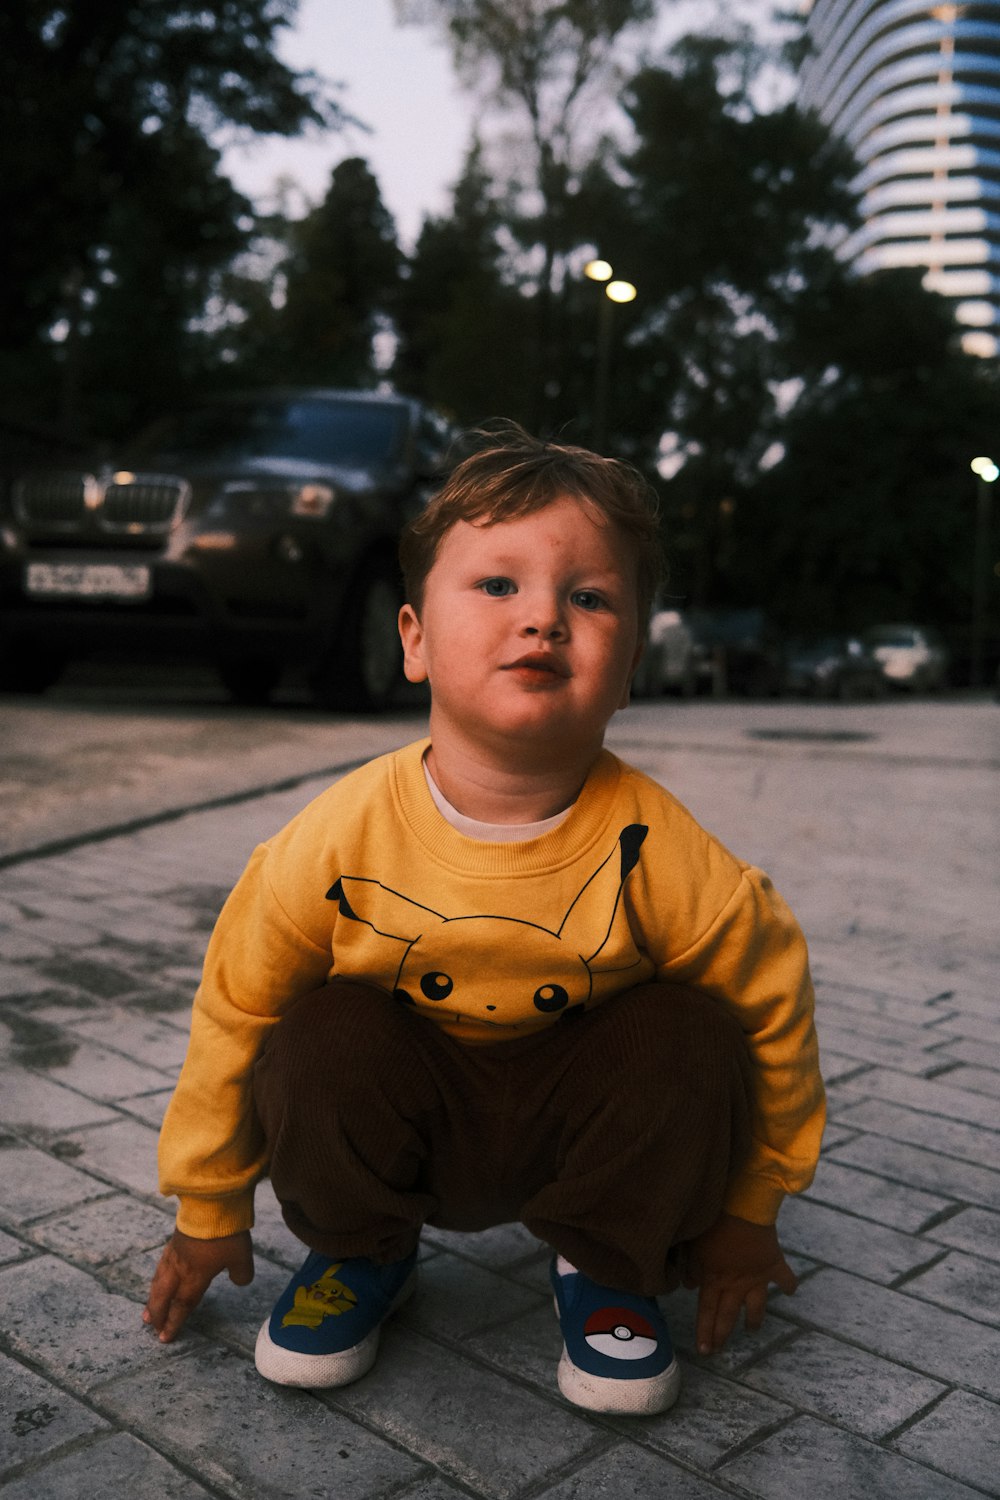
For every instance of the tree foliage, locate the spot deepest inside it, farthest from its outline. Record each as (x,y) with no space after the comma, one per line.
(463,325)
(821,423)
(341,278)
(550,69)
(115,210)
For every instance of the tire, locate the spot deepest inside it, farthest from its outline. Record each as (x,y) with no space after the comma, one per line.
(25,668)
(250,680)
(363,669)
(687,684)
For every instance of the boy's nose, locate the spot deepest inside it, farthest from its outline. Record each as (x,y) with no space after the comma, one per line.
(545,618)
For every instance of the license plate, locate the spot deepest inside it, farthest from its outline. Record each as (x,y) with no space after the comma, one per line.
(88,580)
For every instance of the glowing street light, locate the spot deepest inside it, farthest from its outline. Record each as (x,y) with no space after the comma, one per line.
(598,270)
(615,291)
(620,291)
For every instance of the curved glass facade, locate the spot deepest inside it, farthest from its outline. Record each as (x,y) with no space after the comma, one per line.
(915,91)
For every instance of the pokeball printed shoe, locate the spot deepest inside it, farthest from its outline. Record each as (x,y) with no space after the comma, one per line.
(324,1328)
(617,1356)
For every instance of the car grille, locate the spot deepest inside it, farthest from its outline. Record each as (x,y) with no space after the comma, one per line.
(55,499)
(129,504)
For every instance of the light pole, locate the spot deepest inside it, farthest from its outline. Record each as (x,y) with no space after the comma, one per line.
(614,291)
(986,473)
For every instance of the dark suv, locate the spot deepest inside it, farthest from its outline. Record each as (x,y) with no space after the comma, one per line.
(257,530)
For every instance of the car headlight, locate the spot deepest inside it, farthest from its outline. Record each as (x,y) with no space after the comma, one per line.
(312,501)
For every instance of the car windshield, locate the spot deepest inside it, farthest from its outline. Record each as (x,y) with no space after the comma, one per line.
(824,645)
(354,434)
(891,636)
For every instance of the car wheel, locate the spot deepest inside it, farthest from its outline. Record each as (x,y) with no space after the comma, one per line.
(26,669)
(249,680)
(760,681)
(364,667)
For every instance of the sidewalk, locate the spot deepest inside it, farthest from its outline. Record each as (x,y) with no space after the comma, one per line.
(880,1379)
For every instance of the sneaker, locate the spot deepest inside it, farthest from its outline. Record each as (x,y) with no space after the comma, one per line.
(617,1355)
(324,1328)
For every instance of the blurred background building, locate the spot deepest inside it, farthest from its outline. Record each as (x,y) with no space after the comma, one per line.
(914,89)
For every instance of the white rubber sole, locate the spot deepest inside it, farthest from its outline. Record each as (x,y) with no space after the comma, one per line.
(635,1398)
(314,1372)
(623,1398)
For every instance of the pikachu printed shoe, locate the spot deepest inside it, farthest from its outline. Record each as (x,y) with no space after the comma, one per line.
(324,1328)
(617,1356)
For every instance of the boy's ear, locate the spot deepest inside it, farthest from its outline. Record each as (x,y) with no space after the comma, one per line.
(412,636)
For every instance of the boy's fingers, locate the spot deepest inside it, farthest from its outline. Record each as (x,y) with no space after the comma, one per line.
(184,1273)
(785,1279)
(161,1292)
(241,1274)
(704,1327)
(718,1310)
(756,1305)
(177,1316)
(726,1315)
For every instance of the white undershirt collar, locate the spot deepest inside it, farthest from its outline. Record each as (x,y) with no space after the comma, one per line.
(490,833)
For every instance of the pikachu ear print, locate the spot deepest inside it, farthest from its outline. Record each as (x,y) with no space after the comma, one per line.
(587,925)
(630,841)
(338,894)
(383,910)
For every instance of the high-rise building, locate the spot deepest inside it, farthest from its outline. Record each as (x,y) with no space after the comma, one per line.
(915,91)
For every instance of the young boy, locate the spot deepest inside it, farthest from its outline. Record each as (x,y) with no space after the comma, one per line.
(502,976)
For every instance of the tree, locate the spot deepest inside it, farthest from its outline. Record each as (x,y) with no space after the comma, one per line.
(341,278)
(816,420)
(115,211)
(551,64)
(870,514)
(462,324)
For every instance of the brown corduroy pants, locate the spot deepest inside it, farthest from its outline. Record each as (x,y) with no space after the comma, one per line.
(611,1135)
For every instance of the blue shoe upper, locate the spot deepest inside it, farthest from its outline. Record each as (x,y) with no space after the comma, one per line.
(615,1335)
(332,1305)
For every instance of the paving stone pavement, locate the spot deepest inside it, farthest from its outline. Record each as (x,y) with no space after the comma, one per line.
(879,1379)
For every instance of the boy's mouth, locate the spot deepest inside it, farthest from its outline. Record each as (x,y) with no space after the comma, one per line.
(542,662)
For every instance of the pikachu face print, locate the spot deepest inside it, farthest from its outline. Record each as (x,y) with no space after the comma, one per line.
(492,970)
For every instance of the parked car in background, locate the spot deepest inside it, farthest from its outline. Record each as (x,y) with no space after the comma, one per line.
(667,664)
(737,651)
(910,656)
(833,666)
(258,531)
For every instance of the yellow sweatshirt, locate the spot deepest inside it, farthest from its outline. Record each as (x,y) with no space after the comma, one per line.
(490,940)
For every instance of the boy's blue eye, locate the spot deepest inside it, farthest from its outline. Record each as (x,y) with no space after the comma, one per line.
(587,599)
(497,588)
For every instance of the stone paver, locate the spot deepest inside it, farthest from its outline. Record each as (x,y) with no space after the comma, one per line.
(846,1384)
(807,1458)
(963,1283)
(66,1323)
(878,1380)
(118,1465)
(36,1417)
(961,1436)
(211,1412)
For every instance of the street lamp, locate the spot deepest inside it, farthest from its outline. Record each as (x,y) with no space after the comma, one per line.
(614,291)
(986,473)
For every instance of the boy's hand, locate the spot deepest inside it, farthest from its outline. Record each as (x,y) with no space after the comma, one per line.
(187,1267)
(732,1264)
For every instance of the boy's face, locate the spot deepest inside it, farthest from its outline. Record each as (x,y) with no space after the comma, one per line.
(529,628)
